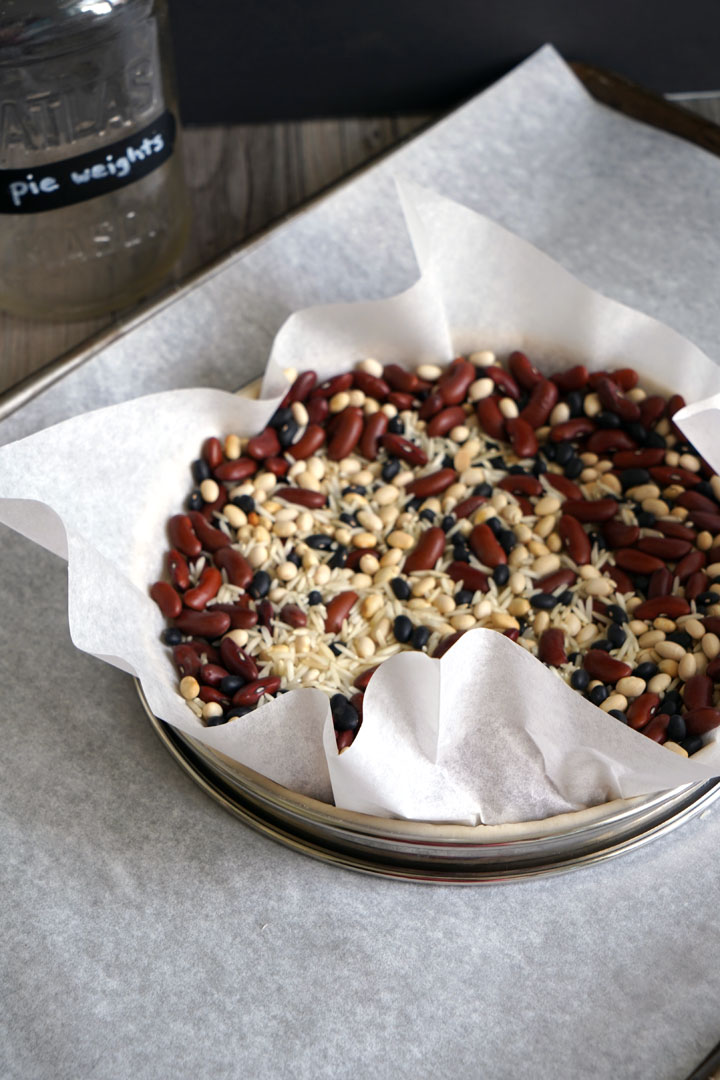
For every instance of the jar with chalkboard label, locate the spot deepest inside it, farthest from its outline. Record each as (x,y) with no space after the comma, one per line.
(93,207)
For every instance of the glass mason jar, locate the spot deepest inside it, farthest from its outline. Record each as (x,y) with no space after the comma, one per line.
(93,206)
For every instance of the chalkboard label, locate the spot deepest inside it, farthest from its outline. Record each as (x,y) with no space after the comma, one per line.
(77,179)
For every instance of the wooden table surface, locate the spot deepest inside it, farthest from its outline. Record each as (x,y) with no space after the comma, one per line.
(241,178)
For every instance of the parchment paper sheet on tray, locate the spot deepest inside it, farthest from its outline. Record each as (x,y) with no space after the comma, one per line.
(487,734)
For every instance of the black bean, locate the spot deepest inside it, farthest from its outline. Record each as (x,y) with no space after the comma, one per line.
(231,684)
(517,470)
(680,637)
(401,588)
(420,637)
(414,503)
(543,601)
(354,489)
(349,519)
(215,721)
(347,720)
(339,558)
(574,401)
(246,503)
(616,635)
(548,451)
(566,597)
(706,598)
(619,715)
(646,670)
(579,679)
(390,469)
(692,744)
(338,703)
(461,553)
(260,584)
(564,452)
(195,501)
(705,488)
(495,525)
(608,420)
(633,477)
(314,598)
(286,434)
(200,470)
(539,467)
(464,596)
(171,636)
(501,574)
(507,540)
(604,644)
(617,614)
(676,729)
(670,704)
(448,462)
(396,426)
(336,647)
(293,557)
(497,462)
(641,583)
(637,432)
(427,515)
(447,523)
(483,489)
(238,710)
(598,694)
(645,519)
(402,628)
(573,468)
(656,441)
(280,417)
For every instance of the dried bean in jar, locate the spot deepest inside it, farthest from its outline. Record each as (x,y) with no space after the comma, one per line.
(402,629)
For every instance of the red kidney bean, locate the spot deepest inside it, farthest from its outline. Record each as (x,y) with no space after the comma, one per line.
(347,435)
(212,674)
(404,449)
(522,437)
(357,702)
(313,500)
(596,510)
(343,739)
(639,459)
(330,387)
(693,500)
(626,378)
(445,421)
(713,555)
(504,381)
(512,632)
(302,386)
(469,506)
(595,377)
(234,471)
(399,378)
(672,606)
(676,402)
(309,442)
(712,624)
(572,429)
(251,694)
(657,728)
(564,485)
(676,530)
(575,378)
(276,465)
(470,576)
(520,484)
(698,691)
(651,409)
(708,522)
(166,599)
(599,665)
(364,678)
(400,401)
(454,383)
(209,508)
(542,402)
(264,445)
(178,569)
(697,583)
(622,581)
(551,647)
(206,588)
(446,644)
(713,669)
(182,535)
(660,583)
(550,582)
(338,609)
(212,452)
(618,534)
(690,564)
(614,401)
(237,661)
(235,565)
(700,721)
(486,546)
(608,440)
(640,711)
(186,660)
(432,404)
(293,615)
(212,539)
(206,652)
(664,547)
(427,551)
(432,484)
(524,373)
(371,385)
(637,562)
(318,410)
(209,624)
(673,474)
(212,694)
(375,427)
(490,418)
(575,540)
(265,613)
(355,556)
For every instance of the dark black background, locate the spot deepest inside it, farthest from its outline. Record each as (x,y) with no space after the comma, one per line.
(260,60)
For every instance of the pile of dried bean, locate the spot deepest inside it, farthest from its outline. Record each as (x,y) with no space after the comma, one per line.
(388,509)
